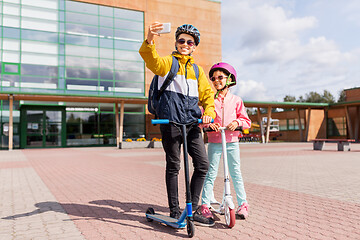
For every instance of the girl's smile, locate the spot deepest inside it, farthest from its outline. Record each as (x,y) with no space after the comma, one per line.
(219,80)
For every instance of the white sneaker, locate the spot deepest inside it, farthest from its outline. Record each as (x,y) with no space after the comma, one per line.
(214,201)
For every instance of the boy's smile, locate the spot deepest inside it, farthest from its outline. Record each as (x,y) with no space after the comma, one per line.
(185,48)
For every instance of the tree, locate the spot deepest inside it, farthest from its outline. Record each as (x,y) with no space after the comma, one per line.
(328,97)
(301,99)
(289,98)
(342,96)
(312,97)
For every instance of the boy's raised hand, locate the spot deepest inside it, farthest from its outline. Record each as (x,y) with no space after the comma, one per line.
(154,28)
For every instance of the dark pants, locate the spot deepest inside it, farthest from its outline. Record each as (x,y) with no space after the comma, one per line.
(171,141)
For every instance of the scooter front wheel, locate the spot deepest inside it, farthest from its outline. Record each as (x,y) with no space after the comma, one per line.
(151,211)
(229,216)
(190,228)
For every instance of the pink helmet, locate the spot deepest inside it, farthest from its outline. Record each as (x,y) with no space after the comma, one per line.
(227,68)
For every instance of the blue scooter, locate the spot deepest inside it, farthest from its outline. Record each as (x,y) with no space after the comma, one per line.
(186,218)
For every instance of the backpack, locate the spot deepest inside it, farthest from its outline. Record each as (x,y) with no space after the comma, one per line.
(154,91)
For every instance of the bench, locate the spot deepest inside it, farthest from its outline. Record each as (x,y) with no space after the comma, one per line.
(343,144)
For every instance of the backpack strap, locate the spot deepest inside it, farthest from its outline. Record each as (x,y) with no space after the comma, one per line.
(196,69)
(170,77)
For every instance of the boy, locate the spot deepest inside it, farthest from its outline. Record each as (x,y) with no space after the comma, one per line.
(179,104)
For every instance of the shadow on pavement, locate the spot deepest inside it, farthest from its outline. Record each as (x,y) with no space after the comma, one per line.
(116,211)
(129,207)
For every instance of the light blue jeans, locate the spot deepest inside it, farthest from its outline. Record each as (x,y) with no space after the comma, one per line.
(233,155)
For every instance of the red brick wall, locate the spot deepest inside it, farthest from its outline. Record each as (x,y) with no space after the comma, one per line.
(352,94)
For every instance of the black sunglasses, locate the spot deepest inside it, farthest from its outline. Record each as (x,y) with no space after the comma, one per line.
(183,41)
(221,77)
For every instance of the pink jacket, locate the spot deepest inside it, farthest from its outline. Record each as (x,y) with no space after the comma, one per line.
(227,110)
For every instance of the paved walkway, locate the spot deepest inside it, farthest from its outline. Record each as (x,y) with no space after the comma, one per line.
(103,193)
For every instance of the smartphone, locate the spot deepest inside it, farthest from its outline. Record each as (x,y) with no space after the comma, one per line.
(166,29)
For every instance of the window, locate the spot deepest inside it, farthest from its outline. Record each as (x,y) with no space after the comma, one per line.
(39,59)
(51,4)
(39,47)
(39,24)
(10,68)
(70,46)
(39,36)
(9,32)
(39,70)
(292,124)
(11,9)
(80,18)
(95,124)
(337,126)
(11,44)
(11,21)
(35,12)
(283,125)
(81,7)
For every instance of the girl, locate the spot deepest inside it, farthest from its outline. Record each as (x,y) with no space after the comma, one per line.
(230,112)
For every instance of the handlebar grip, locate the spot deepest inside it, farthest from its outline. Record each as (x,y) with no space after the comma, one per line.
(200,120)
(208,130)
(211,130)
(160,121)
(166,121)
(240,128)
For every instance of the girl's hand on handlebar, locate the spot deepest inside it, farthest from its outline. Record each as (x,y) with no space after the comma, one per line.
(206,119)
(233,125)
(215,126)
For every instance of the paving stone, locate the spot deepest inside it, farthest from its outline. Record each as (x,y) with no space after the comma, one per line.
(103,193)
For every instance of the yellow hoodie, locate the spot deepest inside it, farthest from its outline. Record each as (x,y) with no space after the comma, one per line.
(180,99)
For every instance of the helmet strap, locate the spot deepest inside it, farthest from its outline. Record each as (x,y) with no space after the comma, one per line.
(228,80)
(219,91)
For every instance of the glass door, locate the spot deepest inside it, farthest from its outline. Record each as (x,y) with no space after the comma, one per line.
(42,128)
(35,128)
(52,128)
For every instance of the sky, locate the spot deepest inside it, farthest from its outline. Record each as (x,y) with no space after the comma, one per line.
(291,47)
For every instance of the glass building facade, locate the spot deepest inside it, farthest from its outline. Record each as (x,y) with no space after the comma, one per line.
(74,49)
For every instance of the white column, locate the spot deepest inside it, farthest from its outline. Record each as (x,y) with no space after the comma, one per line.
(268,125)
(349,125)
(307,125)
(299,124)
(117,125)
(121,129)
(11,122)
(261,125)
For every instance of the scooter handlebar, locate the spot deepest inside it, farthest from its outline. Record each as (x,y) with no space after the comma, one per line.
(211,130)
(160,121)
(166,121)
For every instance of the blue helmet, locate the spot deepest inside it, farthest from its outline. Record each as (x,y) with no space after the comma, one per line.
(189,29)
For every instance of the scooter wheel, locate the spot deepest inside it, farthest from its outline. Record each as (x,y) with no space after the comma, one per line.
(190,228)
(151,211)
(229,217)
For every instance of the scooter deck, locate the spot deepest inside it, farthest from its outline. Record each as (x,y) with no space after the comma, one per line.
(173,222)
